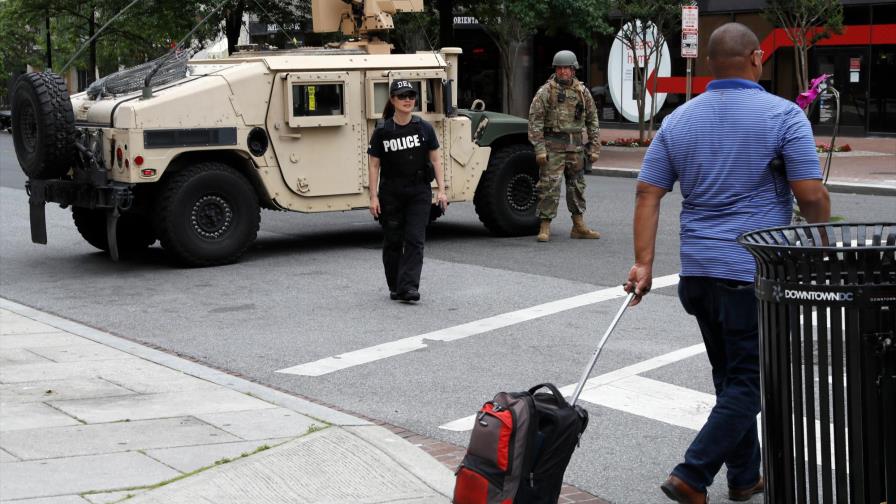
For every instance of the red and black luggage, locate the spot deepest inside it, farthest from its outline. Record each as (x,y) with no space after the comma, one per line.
(522,443)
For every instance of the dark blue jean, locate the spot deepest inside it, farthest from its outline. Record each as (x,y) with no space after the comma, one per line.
(727,313)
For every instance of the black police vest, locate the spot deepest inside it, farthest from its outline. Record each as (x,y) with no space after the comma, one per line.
(404,150)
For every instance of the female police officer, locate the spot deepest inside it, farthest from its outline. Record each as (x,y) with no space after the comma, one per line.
(403,160)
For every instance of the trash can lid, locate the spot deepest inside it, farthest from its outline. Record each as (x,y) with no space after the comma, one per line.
(827,237)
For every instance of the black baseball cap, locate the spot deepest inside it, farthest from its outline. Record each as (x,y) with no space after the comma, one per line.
(401,87)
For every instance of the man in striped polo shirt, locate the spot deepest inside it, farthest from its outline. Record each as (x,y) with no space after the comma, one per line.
(718,147)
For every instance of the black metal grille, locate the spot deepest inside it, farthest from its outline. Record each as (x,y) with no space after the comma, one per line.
(827,307)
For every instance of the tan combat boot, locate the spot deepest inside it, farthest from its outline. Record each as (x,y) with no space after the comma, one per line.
(544,232)
(580,230)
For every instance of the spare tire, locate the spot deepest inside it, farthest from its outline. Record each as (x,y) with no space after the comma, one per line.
(43,125)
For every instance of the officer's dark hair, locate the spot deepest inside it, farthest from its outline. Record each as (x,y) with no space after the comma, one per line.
(388,110)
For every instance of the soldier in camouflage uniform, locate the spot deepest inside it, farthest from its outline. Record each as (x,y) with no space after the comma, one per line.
(561,110)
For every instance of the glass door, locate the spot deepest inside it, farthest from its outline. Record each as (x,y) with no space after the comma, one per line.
(850,68)
(882,102)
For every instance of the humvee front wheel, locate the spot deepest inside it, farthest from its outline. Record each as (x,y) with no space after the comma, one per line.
(134,232)
(505,199)
(207,214)
(43,125)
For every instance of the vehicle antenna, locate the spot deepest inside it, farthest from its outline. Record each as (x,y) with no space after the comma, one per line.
(95,35)
(147,88)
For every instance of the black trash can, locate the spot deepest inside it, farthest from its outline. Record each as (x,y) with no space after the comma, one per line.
(827,312)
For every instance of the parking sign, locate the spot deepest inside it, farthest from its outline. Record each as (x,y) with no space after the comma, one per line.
(689,15)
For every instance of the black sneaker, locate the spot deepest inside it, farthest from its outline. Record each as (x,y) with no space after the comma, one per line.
(409,296)
(393,296)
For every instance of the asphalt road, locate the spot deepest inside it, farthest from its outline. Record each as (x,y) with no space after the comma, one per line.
(311,288)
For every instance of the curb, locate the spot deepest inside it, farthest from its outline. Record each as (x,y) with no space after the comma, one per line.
(836,187)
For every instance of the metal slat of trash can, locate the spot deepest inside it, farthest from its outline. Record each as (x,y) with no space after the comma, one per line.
(827,309)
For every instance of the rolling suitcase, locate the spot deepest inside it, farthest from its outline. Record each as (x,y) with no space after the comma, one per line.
(522,442)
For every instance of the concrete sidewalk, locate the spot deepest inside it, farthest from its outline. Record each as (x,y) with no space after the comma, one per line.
(88,417)
(870,168)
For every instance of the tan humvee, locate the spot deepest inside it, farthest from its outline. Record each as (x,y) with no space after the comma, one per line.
(192,161)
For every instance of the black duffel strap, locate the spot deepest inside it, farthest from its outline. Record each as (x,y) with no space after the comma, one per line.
(554,391)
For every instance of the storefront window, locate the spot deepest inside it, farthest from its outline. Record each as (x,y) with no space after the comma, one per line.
(882,102)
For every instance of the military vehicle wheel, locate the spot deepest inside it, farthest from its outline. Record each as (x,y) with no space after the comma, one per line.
(43,125)
(207,214)
(505,198)
(134,231)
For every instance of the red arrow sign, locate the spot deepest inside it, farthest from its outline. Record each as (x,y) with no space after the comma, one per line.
(852,35)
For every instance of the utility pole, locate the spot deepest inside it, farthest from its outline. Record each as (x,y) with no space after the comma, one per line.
(689,37)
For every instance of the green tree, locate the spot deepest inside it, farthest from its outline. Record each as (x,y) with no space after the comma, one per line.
(511,23)
(18,44)
(416,31)
(143,32)
(806,22)
(644,25)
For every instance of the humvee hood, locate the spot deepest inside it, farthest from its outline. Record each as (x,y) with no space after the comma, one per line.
(209,97)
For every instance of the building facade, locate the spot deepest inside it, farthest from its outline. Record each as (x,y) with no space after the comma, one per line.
(862,61)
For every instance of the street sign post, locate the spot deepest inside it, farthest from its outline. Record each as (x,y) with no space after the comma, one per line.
(689,37)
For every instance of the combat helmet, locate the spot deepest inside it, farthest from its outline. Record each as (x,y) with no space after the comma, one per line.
(565,58)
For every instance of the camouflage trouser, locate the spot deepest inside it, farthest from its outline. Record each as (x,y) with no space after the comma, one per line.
(570,166)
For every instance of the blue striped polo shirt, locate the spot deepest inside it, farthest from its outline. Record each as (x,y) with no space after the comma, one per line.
(718,147)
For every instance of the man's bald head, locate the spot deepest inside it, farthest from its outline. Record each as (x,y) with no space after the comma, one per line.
(731,49)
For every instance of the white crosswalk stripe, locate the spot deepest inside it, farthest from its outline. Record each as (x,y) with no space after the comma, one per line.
(390,349)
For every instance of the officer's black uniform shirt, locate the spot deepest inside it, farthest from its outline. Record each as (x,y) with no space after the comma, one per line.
(402,150)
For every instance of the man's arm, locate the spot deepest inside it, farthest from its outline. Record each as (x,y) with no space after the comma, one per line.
(536,128)
(591,125)
(813,200)
(646,220)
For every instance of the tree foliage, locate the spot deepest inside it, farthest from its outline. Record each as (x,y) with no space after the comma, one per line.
(806,22)
(18,41)
(416,31)
(143,32)
(510,23)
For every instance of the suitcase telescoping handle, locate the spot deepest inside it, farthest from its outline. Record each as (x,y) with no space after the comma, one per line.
(600,346)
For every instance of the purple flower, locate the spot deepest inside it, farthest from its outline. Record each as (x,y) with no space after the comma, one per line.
(806,98)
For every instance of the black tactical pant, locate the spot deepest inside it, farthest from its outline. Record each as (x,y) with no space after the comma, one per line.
(404,215)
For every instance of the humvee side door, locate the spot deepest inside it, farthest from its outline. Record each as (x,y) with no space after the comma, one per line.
(318,131)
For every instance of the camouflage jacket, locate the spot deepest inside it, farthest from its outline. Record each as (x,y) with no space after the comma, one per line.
(563,109)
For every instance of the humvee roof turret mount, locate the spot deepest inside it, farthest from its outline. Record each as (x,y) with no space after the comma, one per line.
(192,165)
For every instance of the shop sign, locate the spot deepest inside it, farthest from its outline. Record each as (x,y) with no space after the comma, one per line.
(256,29)
(621,68)
(855,69)
(465,20)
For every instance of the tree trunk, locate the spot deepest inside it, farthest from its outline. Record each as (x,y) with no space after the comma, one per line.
(656,77)
(91,63)
(446,23)
(233,23)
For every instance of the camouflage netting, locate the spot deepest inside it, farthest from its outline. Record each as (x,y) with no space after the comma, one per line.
(131,79)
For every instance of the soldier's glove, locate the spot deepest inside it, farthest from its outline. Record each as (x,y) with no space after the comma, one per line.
(593,157)
(541,159)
